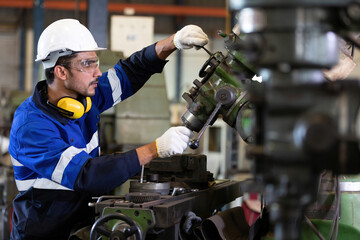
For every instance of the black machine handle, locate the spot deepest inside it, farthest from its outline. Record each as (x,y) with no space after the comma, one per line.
(99,227)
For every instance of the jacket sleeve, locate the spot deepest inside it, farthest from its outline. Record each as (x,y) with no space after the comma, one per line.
(141,65)
(42,153)
(127,77)
(100,175)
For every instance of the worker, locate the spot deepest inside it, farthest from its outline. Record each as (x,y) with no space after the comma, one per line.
(54,139)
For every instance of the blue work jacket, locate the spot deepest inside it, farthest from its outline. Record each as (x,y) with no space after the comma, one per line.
(56,160)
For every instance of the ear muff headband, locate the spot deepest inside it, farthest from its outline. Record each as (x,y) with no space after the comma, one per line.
(87,104)
(73,108)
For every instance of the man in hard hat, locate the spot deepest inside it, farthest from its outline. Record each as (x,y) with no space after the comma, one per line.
(54,140)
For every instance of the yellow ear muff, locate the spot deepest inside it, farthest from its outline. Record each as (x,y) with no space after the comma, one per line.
(88,104)
(73,108)
(71,105)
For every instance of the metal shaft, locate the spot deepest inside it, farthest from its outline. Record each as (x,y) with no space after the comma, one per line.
(142,174)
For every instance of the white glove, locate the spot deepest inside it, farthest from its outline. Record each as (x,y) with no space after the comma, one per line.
(189,36)
(173,141)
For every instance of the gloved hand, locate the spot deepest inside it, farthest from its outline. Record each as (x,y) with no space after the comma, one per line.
(174,140)
(189,36)
(190,221)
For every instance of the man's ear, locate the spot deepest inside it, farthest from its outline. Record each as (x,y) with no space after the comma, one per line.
(61,72)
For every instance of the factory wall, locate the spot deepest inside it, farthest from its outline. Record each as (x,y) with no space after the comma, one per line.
(17,37)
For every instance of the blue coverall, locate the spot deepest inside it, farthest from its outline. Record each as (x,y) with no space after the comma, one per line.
(57,162)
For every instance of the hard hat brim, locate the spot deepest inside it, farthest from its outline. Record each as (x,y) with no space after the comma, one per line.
(90,50)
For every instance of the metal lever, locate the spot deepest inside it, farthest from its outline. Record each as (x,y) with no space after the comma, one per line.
(194,144)
(207,51)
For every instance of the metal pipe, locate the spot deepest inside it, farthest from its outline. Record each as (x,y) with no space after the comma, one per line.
(38,28)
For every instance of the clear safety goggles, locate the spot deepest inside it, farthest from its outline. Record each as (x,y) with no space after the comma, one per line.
(86,65)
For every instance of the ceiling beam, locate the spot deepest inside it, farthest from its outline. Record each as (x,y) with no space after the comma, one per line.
(152,9)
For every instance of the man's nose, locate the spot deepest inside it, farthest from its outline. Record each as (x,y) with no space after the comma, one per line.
(97,72)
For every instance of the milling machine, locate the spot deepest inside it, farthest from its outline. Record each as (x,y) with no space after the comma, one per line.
(175,192)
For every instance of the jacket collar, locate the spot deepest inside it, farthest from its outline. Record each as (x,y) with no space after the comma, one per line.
(40,99)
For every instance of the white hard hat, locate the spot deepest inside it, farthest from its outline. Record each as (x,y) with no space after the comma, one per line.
(61,38)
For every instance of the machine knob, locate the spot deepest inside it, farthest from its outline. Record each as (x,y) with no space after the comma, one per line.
(225,95)
(194,144)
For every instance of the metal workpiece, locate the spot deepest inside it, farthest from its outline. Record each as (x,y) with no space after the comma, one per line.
(224,96)
(220,92)
(191,121)
(162,188)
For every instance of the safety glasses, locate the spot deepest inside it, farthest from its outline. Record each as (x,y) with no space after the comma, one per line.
(86,65)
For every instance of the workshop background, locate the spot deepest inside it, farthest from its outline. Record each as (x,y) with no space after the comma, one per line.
(122,26)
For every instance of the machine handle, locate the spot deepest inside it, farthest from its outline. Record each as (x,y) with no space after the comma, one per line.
(99,227)
(194,144)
